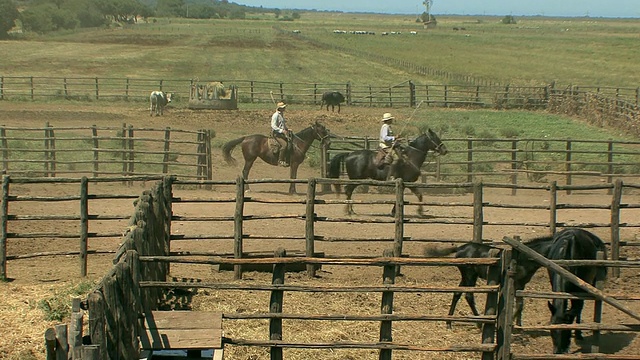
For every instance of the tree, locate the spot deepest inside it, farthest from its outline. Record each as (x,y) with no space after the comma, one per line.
(8,16)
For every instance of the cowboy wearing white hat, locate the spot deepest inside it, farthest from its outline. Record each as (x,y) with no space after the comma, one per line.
(281,133)
(387,141)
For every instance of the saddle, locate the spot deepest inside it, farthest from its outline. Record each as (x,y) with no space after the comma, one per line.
(274,145)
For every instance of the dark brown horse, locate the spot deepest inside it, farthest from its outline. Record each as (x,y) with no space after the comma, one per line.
(257,146)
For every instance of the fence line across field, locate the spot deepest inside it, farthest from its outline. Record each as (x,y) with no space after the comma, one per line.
(619,100)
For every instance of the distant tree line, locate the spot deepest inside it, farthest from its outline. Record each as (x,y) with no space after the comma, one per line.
(43,16)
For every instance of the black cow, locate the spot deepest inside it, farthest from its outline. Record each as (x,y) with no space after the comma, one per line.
(332,98)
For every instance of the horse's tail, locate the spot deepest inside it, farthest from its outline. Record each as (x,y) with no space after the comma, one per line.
(226,150)
(334,169)
(434,251)
(334,165)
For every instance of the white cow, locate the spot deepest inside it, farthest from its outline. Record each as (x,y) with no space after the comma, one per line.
(158,99)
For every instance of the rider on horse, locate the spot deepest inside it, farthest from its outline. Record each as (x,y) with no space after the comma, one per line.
(388,153)
(281,133)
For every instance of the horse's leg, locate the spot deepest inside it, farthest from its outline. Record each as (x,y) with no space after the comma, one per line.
(519,306)
(470,280)
(248,163)
(348,190)
(293,173)
(576,309)
(418,193)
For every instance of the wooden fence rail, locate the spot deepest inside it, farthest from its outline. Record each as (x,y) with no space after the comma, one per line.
(82,218)
(105,151)
(621,210)
(616,101)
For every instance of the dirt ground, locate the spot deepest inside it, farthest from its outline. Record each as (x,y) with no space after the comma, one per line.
(35,279)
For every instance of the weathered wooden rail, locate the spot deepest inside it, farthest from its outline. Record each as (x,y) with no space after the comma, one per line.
(231,224)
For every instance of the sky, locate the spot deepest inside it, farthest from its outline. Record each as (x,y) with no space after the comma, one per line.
(571,8)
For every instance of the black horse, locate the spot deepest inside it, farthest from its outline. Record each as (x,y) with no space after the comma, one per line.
(525,269)
(572,244)
(333,98)
(361,164)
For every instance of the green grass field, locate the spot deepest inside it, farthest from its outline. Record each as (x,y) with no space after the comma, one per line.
(582,51)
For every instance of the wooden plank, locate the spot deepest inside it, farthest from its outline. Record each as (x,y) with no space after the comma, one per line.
(165,339)
(182,330)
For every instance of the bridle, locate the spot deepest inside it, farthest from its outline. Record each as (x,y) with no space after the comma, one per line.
(318,136)
(436,146)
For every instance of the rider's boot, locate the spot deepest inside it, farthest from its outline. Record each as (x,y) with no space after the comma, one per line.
(282,155)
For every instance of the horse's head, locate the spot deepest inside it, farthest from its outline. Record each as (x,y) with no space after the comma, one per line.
(559,315)
(321,132)
(168,96)
(430,141)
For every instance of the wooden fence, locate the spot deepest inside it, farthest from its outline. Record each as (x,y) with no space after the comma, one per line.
(476,213)
(515,160)
(86,208)
(105,151)
(135,285)
(621,102)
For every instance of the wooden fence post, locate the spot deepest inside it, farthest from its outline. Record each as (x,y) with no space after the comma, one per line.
(97,306)
(478,216)
(165,158)
(131,170)
(126,90)
(4,217)
(597,309)
(469,160)
(491,308)
(96,151)
(568,166)
(75,330)
(97,90)
(412,94)
(50,343)
(237,226)
(553,206)
(31,86)
(208,157)
(125,154)
(610,163)
(84,224)
(5,150)
(386,308)
(399,221)
(62,346)
(505,306)
(275,305)
(2,88)
(310,218)
(615,225)
(47,152)
(514,166)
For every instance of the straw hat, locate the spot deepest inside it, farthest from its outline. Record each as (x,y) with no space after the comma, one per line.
(387,117)
(281,105)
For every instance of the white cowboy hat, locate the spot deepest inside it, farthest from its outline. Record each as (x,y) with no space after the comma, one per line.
(281,105)
(386,117)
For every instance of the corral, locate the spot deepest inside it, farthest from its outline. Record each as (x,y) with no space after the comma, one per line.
(288,231)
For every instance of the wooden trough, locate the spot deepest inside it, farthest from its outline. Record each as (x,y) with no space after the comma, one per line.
(207,96)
